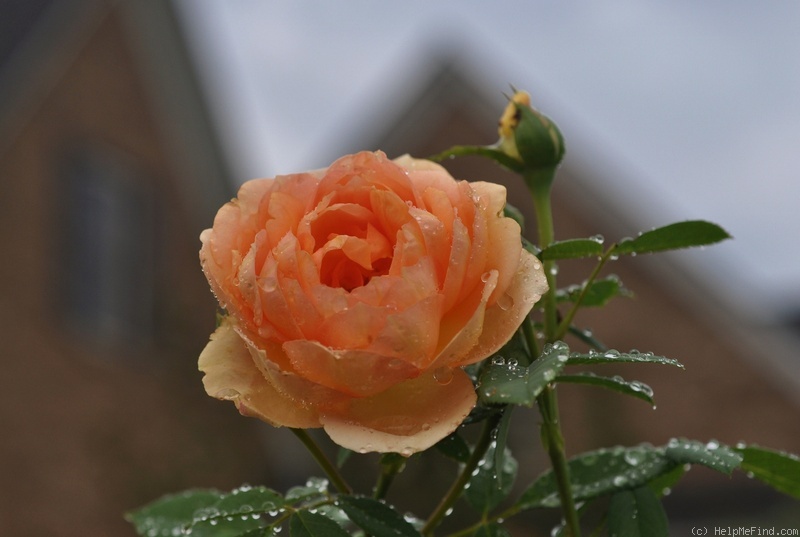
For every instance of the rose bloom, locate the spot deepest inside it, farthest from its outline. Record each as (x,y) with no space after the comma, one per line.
(356,294)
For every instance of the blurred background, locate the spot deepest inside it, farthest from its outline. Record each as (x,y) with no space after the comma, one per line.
(124,125)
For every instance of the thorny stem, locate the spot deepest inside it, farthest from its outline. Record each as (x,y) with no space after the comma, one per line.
(458,485)
(327,466)
(539,182)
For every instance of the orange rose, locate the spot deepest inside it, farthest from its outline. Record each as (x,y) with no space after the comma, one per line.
(356,294)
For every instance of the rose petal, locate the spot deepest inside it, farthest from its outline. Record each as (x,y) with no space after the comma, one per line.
(407,418)
(503,234)
(457,265)
(231,374)
(356,373)
(461,327)
(503,318)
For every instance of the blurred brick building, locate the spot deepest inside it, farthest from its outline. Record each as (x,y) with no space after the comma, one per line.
(109,170)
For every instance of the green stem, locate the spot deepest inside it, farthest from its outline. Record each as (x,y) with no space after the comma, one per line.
(530,338)
(458,485)
(563,327)
(327,466)
(553,441)
(544,225)
(391,465)
(540,182)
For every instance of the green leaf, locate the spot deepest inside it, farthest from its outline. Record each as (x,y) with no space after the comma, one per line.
(506,382)
(171,513)
(491,529)
(491,484)
(600,472)
(714,455)
(315,488)
(672,237)
(483,151)
(573,249)
(600,292)
(777,469)
(454,447)
(637,513)
(376,518)
(237,512)
(612,356)
(662,484)
(244,526)
(306,523)
(634,388)
(209,513)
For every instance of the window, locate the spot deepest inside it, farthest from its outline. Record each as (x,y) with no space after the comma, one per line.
(106,281)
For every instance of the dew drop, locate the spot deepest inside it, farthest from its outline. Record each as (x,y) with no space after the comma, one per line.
(227,394)
(269,284)
(505,302)
(634,457)
(443,375)
(486,276)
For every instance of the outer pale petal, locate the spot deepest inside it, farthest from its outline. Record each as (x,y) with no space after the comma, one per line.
(462,327)
(504,233)
(356,373)
(231,375)
(407,418)
(503,318)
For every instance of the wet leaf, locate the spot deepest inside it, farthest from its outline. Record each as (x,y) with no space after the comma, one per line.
(573,249)
(600,472)
(634,388)
(507,382)
(637,513)
(672,237)
(492,481)
(376,518)
(612,356)
(600,292)
(777,469)
(306,523)
(713,455)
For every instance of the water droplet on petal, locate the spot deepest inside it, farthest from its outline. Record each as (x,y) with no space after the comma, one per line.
(269,284)
(227,394)
(443,375)
(505,302)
